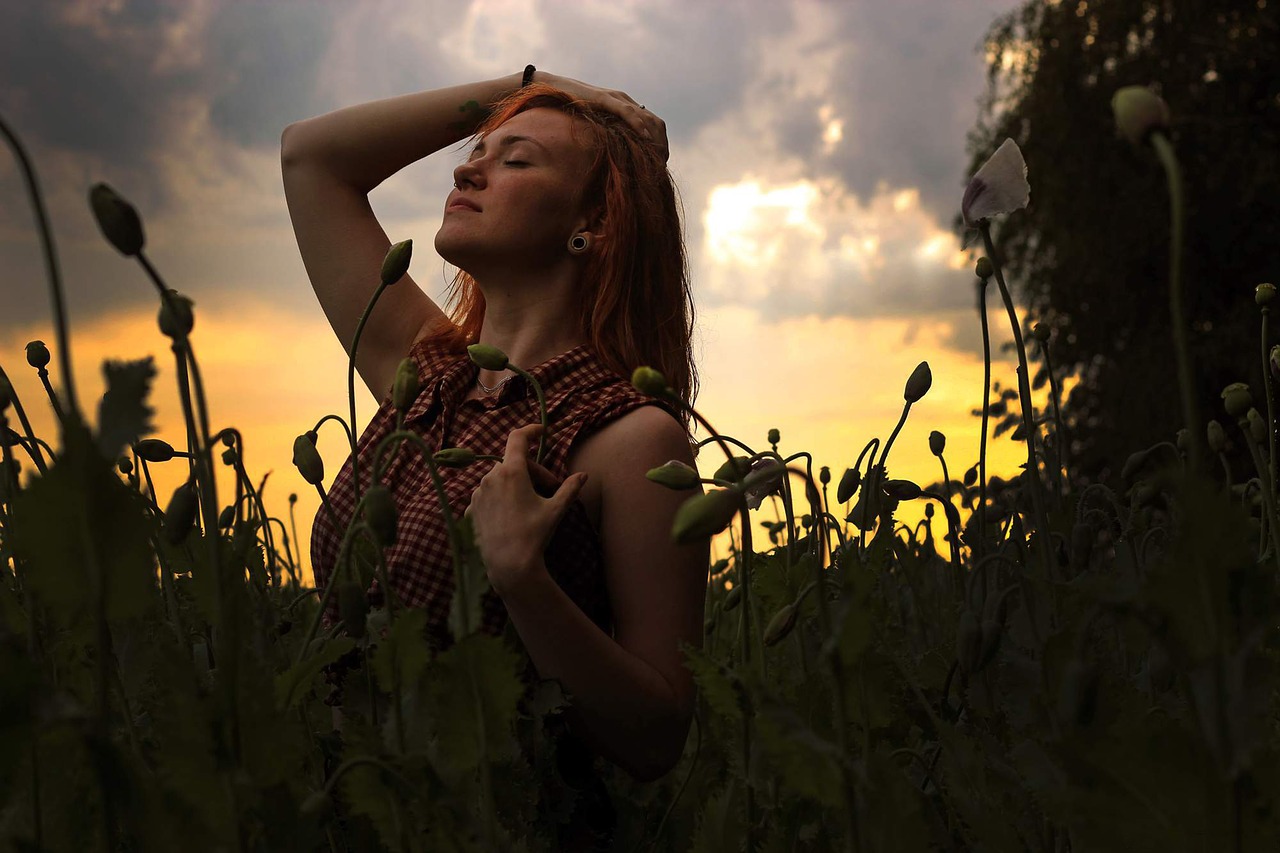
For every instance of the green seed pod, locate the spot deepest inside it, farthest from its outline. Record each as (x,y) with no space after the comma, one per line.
(1217,437)
(703,516)
(380,513)
(37,354)
(824,475)
(293,498)
(1257,426)
(901,490)
(155,450)
(991,632)
(229,456)
(125,464)
(307,458)
(968,641)
(180,514)
(732,599)
(454,457)
(353,608)
(1040,332)
(781,624)
(674,475)
(918,383)
(227,437)
(396,262)
(1236,399)
(1264,293)
(490,358)
(733,469)
(405,388)
(849,483)
(117,220)
(649,381)
(983,269)
(774,436)
(937,443)
(226,517)
(1139,112)
(176,321)
(1078,693)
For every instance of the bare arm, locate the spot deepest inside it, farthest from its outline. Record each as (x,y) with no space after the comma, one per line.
(330,163)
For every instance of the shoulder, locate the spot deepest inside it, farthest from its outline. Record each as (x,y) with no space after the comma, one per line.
(637,437)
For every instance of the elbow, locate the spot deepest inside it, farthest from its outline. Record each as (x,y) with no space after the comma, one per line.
(292,142)
(664,755)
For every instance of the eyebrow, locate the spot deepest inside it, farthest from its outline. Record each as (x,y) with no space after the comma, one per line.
(507,142)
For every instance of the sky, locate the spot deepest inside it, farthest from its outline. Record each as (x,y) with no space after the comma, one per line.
(818,148)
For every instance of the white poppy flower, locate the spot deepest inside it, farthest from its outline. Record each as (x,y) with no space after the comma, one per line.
(1000,186)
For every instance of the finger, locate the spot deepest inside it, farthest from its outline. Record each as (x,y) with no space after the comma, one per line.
(567,494)
(518,442)
(545,483)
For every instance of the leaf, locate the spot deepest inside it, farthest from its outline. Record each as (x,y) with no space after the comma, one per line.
(477,581)
(714,683)
(478,670)
(722,823)
(123,414)
(293,684)
(807,763)
(1041,377)
(77,521)
(405,653)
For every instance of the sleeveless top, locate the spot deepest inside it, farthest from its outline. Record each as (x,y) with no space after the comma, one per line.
(582,395)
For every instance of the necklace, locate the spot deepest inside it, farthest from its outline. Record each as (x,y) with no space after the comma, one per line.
(495,389)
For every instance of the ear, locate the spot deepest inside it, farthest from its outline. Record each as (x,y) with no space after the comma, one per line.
(593,225)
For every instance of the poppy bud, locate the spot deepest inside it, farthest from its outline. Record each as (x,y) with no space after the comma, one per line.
(396,262)
(649,381)
(175,318)
(1257,426)
(968,641)
(732,599)
(1138,113)
(226,517)
(307,458)
(774,436)
(37,354)
(709,626)
(733,469)
(454,457)
(227,437)
(125,465)
(824,475)
(705,515)
(1264,293)
(983,269)
(1040,332)
(674,475)
(117,220)
(1236,399)
(901,490)
(180,514)
(971,476)
(781,624)
(380,513)
(1078,693)
(155,450)
(849,483)
(937,443)
(229,456)
(6,393)
(353,608)
(1217,437)
(928,510)
(918,383)
(405,388)
(488,357)
(293,498)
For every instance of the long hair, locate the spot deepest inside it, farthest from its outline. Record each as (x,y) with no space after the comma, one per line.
(634,293)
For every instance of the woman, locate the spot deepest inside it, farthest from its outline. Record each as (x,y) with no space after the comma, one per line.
(564,226)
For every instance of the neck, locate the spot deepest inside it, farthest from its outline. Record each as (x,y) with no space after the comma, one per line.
(531,319)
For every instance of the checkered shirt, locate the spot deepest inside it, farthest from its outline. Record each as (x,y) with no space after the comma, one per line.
(582,395)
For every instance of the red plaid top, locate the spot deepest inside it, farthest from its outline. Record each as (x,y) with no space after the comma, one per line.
(582,395)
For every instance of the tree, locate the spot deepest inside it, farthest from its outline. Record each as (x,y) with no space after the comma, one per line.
(1089,257)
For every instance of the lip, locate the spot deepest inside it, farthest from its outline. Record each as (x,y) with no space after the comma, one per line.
(460,203)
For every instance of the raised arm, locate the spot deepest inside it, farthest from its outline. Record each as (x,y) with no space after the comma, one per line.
(330,163)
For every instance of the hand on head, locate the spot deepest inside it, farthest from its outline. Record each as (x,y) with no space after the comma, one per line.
(619,103)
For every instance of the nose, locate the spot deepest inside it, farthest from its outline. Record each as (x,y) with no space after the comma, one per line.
(469,174)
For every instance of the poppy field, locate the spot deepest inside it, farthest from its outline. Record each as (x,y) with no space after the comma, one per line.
(1035,666)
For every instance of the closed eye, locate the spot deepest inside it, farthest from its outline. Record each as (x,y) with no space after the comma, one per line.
(515,163)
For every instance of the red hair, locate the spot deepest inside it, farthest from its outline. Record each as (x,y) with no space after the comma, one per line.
(637,306)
